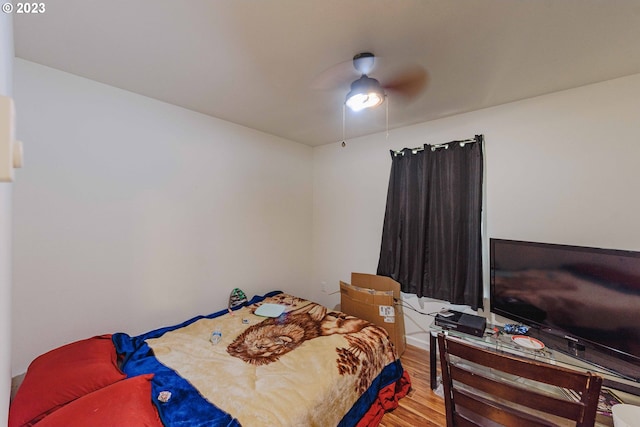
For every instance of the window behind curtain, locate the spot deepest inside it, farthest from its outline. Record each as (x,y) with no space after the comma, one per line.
(431,237)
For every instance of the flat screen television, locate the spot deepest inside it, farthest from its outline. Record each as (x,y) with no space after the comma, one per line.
(583,301)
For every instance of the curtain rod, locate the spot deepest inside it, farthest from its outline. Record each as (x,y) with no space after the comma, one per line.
(434,147)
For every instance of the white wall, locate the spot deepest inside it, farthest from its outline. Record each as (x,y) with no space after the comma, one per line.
(560,168)
(6,72)
(134,214)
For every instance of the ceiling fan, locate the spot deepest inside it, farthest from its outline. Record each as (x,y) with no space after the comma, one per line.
(368,92)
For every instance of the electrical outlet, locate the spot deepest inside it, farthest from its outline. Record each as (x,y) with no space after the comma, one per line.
(323,284)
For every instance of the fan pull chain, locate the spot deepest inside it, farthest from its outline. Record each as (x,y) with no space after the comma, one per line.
(344,144)
(387,98)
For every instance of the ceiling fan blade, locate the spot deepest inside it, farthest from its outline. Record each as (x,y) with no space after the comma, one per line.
(337,76)
(409,84)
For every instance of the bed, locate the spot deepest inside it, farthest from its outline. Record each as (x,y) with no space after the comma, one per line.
(309,366)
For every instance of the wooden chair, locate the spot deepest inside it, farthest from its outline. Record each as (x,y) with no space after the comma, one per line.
(484,388)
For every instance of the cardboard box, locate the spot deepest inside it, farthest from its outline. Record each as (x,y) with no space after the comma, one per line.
(376,299)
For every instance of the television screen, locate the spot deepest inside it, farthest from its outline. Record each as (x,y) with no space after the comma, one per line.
(590,296)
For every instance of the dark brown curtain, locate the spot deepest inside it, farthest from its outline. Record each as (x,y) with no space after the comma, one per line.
(431,237)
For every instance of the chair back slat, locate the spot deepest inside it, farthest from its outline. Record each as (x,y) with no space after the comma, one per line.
(521,367)
(484,410)
(516,394)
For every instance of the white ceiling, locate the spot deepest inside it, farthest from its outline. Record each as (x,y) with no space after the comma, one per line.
(259,63)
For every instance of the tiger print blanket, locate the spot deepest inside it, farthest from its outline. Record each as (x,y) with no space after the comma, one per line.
(309,366)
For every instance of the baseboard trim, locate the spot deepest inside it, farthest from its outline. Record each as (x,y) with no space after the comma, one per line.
(417,343)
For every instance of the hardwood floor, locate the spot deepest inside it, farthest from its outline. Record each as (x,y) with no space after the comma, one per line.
(421,407)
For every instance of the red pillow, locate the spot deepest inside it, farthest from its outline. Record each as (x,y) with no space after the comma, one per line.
(62,375)
(125,403)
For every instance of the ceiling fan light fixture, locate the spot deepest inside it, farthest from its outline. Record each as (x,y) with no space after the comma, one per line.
(365,93)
